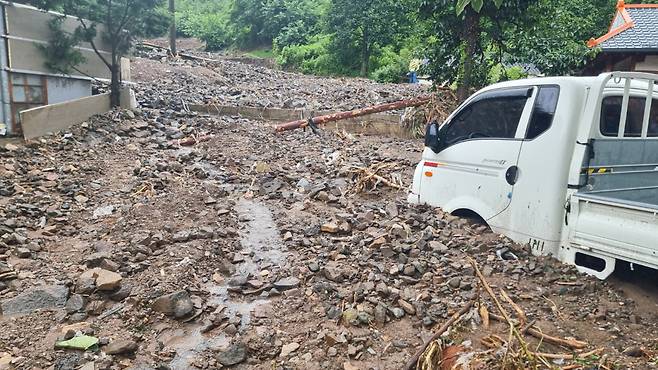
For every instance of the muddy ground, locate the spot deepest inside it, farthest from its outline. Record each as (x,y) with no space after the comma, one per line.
(256,250)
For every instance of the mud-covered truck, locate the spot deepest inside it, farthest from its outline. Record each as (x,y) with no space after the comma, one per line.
(568,165)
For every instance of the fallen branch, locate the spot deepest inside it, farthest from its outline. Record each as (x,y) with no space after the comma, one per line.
(567,343)
(506,318)
(569,356)
(519,312)
(411,364)
(369,178)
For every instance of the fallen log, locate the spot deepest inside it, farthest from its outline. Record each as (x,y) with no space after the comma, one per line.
(181,54)
(353,114)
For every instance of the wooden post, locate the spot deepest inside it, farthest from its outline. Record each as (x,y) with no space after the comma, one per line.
(172,28)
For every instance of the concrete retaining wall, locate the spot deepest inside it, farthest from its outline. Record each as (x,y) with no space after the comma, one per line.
(52,118)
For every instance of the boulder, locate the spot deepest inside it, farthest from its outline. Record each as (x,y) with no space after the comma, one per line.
(178,304)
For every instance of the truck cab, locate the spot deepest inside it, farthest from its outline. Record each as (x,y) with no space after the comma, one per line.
(568,165)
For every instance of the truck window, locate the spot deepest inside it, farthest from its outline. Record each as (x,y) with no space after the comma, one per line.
(611,115)
(543,111)
(496,117)
(653,119)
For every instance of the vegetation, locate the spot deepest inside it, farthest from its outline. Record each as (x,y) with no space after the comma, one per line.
(468,43)
(115,23)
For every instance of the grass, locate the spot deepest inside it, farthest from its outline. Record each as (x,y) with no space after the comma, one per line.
(261,53)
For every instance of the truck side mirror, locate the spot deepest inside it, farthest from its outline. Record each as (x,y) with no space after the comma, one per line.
(432,137)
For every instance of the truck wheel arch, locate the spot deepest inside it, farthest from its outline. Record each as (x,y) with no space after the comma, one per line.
(469,213)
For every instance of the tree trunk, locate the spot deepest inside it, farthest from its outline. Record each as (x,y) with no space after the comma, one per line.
(172,28)
(115,85)
(365,53)
(471,37)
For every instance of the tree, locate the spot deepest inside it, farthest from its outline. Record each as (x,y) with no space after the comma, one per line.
(172,27)
(465,38)
(121,20)
(358,27)
(554,36)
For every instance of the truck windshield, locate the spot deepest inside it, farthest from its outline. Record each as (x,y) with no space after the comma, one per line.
(496,117)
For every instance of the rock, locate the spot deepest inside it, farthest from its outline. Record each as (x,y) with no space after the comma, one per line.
(398,312)
(11,147)
(121,347)
(182,236)
(330,228)
(351,316)
(333,273)
(105,280)
(634,351)
(178,304)
(287,349)
(234,355)
(121,294)
(437,246)
(103,211)
(44,297)
(109,265)
(380,314)
(95,259)
(23,252)
(85,285)
(304,185)
(313,266)
(286,283)
(75,303)
(455,282)
(407,307)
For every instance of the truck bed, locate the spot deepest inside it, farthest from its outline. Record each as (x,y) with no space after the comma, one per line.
(617,224)
(645,198)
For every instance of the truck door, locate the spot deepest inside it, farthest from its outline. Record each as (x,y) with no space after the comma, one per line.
(476,167)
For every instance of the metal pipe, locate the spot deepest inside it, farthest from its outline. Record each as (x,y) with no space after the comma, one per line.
(5,108)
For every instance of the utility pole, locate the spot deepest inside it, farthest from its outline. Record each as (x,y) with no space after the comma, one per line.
(172,28)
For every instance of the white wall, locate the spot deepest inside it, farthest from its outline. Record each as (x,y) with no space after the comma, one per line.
(66,89)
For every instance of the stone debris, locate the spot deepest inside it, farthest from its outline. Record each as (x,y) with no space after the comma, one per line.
(256,250)
(121,347)
(103,279)
(39,298)
(178,304)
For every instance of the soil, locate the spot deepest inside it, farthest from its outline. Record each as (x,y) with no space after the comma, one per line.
(278,255)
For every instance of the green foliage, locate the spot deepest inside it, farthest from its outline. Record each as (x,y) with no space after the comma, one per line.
(556,44)
(60,54)
(250,24)
(391,66)
(475,4)
(121,20)
(261,53)
(465,42)
(359,28)
(313,58)
(206,20)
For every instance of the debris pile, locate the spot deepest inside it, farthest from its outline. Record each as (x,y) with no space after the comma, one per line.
(167,239)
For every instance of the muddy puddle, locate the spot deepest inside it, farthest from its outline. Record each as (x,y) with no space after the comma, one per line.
(262,249)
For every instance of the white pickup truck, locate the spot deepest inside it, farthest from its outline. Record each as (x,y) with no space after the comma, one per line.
(568,165)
